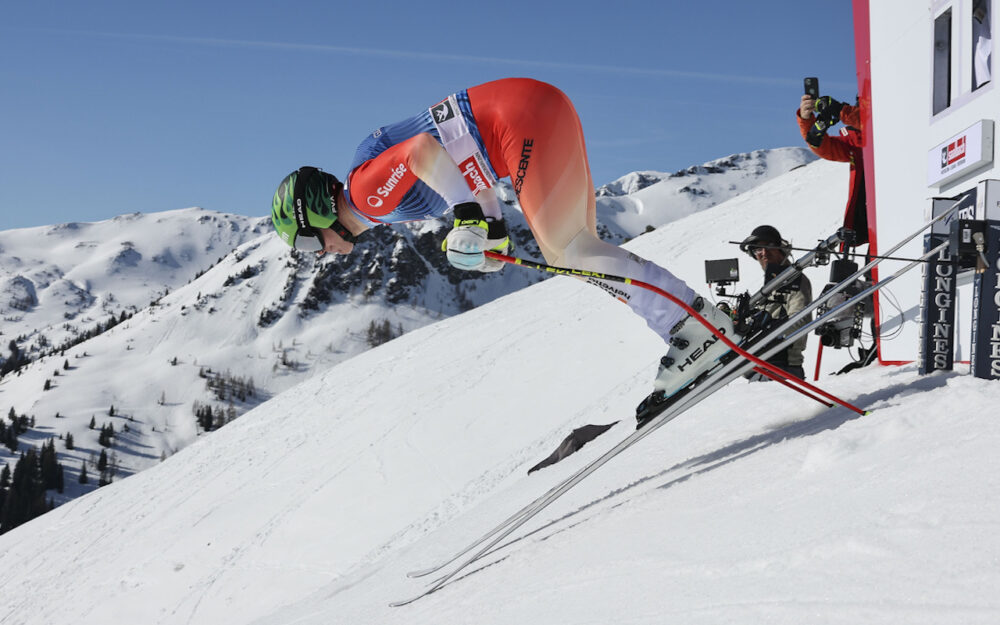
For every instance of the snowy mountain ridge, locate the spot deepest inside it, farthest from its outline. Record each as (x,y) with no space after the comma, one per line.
(258,321)
(216,315)
(642,200)
(757,506)
(57,280)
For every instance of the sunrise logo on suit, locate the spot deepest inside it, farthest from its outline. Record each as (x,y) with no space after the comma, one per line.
(394,178)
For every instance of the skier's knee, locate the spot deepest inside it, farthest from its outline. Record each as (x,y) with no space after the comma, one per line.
(583,246)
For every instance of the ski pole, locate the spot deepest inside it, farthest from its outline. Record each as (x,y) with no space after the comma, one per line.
(488,541)
(785,382)
(944,215)
(827,295)
(806,249)
(733,368)
(795,270)
(851,301)
(683,305)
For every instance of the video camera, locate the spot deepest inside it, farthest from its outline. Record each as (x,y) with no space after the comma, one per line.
(748,311)
(841,330)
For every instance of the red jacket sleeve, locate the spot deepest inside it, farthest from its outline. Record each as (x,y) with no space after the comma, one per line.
(851,115)
(833,148)
(378,185)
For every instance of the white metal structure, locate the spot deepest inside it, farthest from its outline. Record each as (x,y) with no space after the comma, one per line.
(925,83)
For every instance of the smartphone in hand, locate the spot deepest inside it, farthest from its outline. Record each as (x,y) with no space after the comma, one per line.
(811,85)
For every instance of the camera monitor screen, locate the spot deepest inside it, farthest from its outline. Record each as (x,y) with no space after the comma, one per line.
(725,270)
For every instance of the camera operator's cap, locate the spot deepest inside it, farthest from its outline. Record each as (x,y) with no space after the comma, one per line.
(763,235)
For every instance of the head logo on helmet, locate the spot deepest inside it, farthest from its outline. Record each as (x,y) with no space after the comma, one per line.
(306,200)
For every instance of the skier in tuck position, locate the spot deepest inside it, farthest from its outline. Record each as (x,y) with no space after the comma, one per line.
(449,156)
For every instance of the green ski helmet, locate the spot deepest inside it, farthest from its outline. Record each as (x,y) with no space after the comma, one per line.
(306,200)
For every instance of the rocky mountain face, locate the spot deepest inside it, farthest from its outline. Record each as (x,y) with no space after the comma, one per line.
(162,327)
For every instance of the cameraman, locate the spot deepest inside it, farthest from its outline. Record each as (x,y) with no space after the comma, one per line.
(772,252)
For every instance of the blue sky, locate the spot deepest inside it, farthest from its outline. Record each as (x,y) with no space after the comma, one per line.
(116,107)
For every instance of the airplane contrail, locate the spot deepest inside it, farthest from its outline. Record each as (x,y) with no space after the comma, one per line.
(441,57)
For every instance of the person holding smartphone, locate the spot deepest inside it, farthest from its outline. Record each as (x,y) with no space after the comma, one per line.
(846,147)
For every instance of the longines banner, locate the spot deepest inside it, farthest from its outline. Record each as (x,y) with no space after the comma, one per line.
(937,309)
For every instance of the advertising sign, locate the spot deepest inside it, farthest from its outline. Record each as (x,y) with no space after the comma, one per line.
(961,154)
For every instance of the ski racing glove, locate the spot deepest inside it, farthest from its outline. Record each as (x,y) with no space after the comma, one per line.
(829,108)
(827,115)
(472,234)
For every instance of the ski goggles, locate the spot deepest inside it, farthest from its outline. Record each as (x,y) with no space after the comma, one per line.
(308,238)
(751,245)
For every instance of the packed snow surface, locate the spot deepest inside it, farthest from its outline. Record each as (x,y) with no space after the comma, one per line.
(756,506)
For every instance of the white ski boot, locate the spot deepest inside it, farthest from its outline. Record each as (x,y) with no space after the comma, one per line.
(694,349)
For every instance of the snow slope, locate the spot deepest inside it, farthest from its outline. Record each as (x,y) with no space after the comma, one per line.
(258,314)
(233,302)
(757,506)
